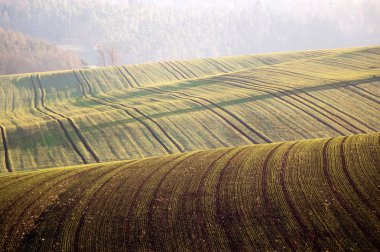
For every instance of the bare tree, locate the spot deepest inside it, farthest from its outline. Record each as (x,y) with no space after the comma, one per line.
(102,54)
(108,55)
(114,55)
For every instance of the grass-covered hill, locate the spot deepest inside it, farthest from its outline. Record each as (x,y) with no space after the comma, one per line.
(309,195)
(107,114)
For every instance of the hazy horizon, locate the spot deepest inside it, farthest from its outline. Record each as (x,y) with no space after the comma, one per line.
(142,31)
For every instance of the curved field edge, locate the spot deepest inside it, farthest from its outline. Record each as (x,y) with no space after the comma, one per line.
(100,115)
(307,195)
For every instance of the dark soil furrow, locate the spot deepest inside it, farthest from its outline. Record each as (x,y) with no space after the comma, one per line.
(358,192)
(354,90)
(362,226)
(271,216)
(187,69)
(125,77)
(237,118)
(151,232)
(129,241)
(108,103)
(76,129)
(87,207)
(309,235)
(8,164)
(178,71)
(60,123)
(225,219)
(248,85)
(212,111)
(129,73)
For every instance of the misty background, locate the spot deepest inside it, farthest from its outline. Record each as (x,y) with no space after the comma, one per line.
(101,32)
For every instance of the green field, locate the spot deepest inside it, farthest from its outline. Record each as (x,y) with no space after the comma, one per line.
(270,152)
(108,114)
(304,195)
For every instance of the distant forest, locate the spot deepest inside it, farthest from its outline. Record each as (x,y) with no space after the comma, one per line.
(20,54)
(143,31)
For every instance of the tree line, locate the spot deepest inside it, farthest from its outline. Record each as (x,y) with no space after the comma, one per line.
(141,31)
(21,54)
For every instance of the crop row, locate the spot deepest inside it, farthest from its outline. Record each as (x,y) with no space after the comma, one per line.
(265,102)
(306,195)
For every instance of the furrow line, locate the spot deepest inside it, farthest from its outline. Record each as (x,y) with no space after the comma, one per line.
(125,77)
(75,127)
(237,118)
(14,202)
(225,220)
(331,62)
(178,71)
(17,180)
(271,216)
(110,104)
(90,202)
(134,202)
(342,112)
(251,87)
(362,226)
(151,231)
(367,92)
(199,192)
(289,73)
(69,208)
(358,192)
(87,83)
(211,110)
(362,95)
(20,217)
(187,69)
(8,164)
(216,66)
(167,69)
(60,123)
(328,104)
(285,91)
(229,69)
(129,73)
(312,235)
(171,139)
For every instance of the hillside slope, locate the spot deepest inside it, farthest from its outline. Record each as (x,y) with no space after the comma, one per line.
(307,195)
(107,114)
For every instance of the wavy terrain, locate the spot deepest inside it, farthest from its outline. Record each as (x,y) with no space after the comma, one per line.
(305,195)
(107,114)
(271,152)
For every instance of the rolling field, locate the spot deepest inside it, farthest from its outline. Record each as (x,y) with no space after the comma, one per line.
(305,195)
(271,152)
(77,117)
